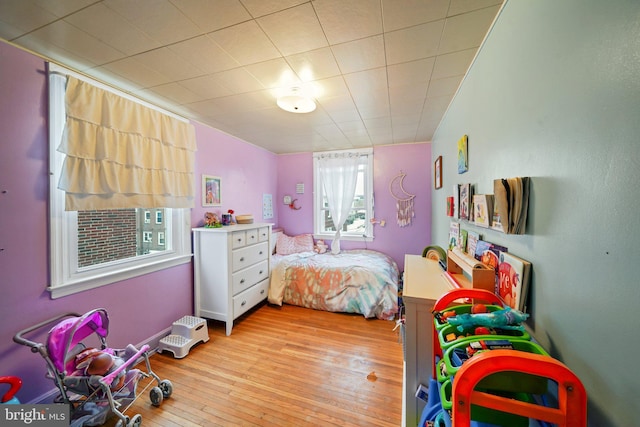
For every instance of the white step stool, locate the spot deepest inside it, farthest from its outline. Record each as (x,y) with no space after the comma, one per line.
(185,333)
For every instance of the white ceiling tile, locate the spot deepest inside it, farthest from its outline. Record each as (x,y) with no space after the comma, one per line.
(20,17)
(413,43)
(247,101)
(175,92)
(294,30)
(374,111)
(239,81)
(412,72)
(360,55)
(275,73)
(338,103)
(204,54)
(453,64)
(137,72)
(160,19)
(442,87)
(463,6)
(345,21)
(467,30)
(60,8)
(259,8)
(367,83)
(246,43)
(113,29)
(208,108)
(406,13)
(210,15)
(331,87)
(314,64)
(207,87)
(378,125)
(75,41)
(169,63)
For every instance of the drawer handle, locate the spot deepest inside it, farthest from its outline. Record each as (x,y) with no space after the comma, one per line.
(239,239)
(260,272)
(242,281)
(241,259)
(262,292)
(243,303)
(260,253)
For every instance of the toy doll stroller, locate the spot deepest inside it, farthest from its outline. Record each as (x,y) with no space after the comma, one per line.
(75,354)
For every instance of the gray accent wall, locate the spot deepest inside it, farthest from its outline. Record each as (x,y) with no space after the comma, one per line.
(554,94)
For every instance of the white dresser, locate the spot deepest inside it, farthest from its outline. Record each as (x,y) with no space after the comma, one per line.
(424,283)
(231,270)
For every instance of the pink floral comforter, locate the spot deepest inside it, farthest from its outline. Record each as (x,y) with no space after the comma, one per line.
(356,281)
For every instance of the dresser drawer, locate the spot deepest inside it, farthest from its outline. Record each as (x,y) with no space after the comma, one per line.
(248,277)
(238,239)
(252,236)
(263,234)
(249,298)
(244,257)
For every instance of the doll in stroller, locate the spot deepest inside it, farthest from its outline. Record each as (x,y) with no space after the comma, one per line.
(95,381)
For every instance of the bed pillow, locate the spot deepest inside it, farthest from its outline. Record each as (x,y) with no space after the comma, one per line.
(287,245)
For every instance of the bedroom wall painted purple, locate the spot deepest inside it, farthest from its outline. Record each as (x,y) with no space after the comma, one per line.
(413,159)
(246,172)
(138,308)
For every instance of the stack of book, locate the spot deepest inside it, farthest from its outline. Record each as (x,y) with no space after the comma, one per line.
(511,202)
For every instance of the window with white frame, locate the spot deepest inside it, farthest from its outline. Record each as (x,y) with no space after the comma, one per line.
(357,225)
(121,249)
(158,217)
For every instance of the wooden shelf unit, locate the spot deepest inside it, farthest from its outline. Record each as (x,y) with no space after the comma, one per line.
(470,273)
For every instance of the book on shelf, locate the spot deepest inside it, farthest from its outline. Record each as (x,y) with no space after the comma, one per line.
(483,209)
(489,254)
(513,280)
(456,200)
(512,203)
(466,202)
(454,234)
(462,240)
(472,242)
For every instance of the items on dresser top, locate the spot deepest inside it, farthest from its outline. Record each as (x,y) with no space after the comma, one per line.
(232,266)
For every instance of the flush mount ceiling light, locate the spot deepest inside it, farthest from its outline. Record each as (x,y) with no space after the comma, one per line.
(296,102)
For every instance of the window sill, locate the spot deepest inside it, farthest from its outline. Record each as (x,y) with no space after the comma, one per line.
(350,238)
(98,280)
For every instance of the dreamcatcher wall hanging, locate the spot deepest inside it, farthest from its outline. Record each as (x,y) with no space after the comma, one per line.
(404,200)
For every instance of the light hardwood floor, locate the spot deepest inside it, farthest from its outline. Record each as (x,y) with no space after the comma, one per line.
(285,366)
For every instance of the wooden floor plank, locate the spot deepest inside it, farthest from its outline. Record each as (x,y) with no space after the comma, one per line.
(283,366)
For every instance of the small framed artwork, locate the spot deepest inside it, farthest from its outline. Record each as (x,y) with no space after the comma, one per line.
(463,155)
(211,191)
(437,173)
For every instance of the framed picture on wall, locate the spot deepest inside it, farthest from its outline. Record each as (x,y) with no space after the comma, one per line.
(463,154)
(211,195)
(437,173)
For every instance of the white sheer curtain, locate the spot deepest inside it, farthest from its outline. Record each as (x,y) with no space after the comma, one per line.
(339,174)
(122,154)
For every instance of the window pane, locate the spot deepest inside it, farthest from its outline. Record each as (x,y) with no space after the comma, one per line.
(111,235)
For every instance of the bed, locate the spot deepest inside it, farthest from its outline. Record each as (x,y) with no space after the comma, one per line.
(355,281)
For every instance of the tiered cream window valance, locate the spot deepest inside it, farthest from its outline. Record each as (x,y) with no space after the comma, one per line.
(121,154)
